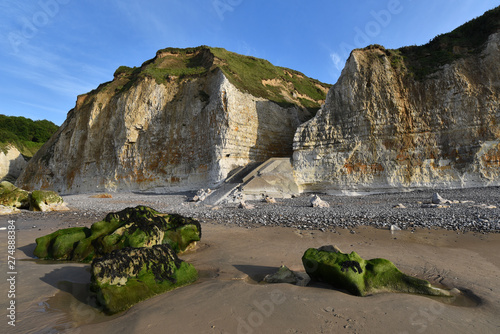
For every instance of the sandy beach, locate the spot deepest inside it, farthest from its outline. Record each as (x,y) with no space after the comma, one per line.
(53,297)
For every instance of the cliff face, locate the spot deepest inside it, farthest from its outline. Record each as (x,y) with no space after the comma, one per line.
(11,163)
(381,127)
(164,126)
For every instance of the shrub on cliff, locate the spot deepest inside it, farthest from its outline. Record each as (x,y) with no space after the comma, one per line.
(25,134)
(468,39)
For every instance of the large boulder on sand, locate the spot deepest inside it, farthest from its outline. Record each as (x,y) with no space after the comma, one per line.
(129,275)
(43,200)
(362,277)
(38,200)
(131,227)
(11,196)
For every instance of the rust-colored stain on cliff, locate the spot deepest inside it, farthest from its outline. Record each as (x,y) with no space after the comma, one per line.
(363,168)
(492,157)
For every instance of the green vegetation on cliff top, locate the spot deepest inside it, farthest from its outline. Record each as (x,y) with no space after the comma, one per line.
(25,134)
(466,40)
(253,75)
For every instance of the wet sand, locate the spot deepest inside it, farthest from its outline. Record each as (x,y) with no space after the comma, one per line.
(53,297)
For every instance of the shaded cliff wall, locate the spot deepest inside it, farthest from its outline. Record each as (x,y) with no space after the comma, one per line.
(181,135)
(12,163)
(381,128)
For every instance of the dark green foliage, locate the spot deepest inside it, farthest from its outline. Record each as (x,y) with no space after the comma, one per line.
(25,134)
(466,40)
(124,70)
(184,51)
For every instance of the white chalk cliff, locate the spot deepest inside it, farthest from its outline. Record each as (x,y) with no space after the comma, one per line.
(12,163)
(382,127)
(185,132)
(426,116)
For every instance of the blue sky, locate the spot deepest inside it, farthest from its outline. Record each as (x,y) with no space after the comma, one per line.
(54,50)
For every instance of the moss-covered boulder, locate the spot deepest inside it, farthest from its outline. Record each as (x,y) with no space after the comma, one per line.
(132,227)
(44,200)
(362,277)
(38,200)
(11,196)
(60,245)
(129,275)
(8,210)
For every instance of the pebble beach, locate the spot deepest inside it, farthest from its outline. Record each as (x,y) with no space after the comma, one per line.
(471,210)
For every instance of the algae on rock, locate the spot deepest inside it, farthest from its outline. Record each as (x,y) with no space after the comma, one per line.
(130,275)
(43,200)
(38,200)
(131,227)
(11,196)
(362,277)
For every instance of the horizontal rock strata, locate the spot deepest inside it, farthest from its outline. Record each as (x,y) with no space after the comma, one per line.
(164,132)
(381,127)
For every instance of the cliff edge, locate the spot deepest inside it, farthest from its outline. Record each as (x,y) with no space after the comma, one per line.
(181,121)
(424,116)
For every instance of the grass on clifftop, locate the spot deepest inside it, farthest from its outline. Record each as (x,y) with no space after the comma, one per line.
(467,40)
(253,75)
(25,134)
(464,41)
(248,73)
(181,64)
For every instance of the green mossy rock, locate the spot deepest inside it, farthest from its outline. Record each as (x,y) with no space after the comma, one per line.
(38,200)
(362,277)
(125,277)
(42,200)
(60,244)
(11,196)
(132,227)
